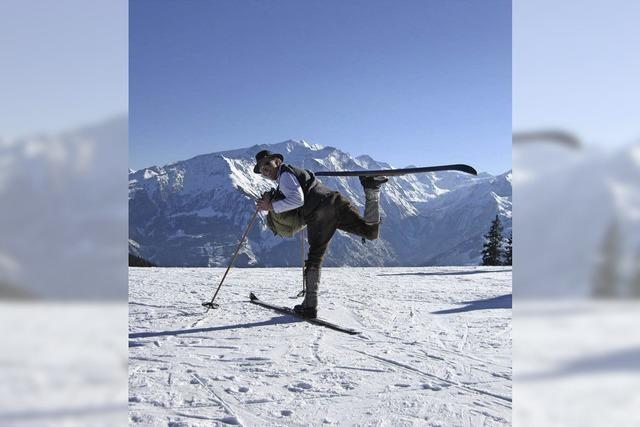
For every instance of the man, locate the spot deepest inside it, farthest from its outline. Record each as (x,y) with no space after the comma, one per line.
(321,209)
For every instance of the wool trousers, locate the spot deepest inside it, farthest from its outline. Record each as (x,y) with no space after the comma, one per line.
(335,212)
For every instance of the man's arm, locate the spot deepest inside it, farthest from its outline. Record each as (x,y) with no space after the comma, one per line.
(293,195)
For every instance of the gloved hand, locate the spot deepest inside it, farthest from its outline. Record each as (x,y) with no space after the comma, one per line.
(264,204)
(268,195)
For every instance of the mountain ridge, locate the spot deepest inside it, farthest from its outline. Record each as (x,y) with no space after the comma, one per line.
(192,212)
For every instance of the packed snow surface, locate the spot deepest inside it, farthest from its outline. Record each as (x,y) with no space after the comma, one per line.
(63,364)
(578,363)
(434,349)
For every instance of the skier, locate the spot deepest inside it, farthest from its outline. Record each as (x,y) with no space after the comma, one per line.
(301,199)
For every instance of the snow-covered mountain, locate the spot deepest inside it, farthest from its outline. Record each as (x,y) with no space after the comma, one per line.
(193,212)
(578,226)
(63,213)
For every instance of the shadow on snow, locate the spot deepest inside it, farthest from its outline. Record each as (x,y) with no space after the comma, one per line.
(34,414)
(273,321)
(444,273)
(623,361)
(503,301)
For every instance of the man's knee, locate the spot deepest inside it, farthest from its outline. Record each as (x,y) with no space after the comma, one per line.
(372,231)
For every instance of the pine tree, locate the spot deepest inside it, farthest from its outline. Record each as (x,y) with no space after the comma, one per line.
(492,251)
(136,261)
(508,252)
(635,284)
(607,275)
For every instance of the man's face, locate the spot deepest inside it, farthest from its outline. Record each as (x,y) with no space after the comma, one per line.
(270,170)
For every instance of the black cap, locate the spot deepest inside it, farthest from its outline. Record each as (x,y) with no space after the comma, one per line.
(264,156)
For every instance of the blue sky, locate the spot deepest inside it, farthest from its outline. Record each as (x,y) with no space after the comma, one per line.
(407,82)
(576,68)
(64,64)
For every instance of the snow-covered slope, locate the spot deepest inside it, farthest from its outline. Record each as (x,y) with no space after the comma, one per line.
(63,364)
(435,348)
(192,213)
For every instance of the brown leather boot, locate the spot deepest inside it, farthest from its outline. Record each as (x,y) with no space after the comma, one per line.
(309,307)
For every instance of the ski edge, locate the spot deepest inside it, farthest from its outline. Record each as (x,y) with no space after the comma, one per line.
(397,172)
(320,322)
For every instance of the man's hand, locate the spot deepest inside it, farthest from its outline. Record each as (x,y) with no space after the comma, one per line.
(264,204)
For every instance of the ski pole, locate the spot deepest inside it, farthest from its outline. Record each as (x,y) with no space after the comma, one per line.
(211,304)
(304,278)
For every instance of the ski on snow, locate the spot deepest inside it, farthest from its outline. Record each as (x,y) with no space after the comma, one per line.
(397,172)
(286,310)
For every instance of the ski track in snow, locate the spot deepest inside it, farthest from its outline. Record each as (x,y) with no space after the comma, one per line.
(435,348)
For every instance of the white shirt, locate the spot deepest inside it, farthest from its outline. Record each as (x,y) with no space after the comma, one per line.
(290,188)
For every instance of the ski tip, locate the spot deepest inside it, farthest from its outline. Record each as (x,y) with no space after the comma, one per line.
(468,169)
(252,296)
